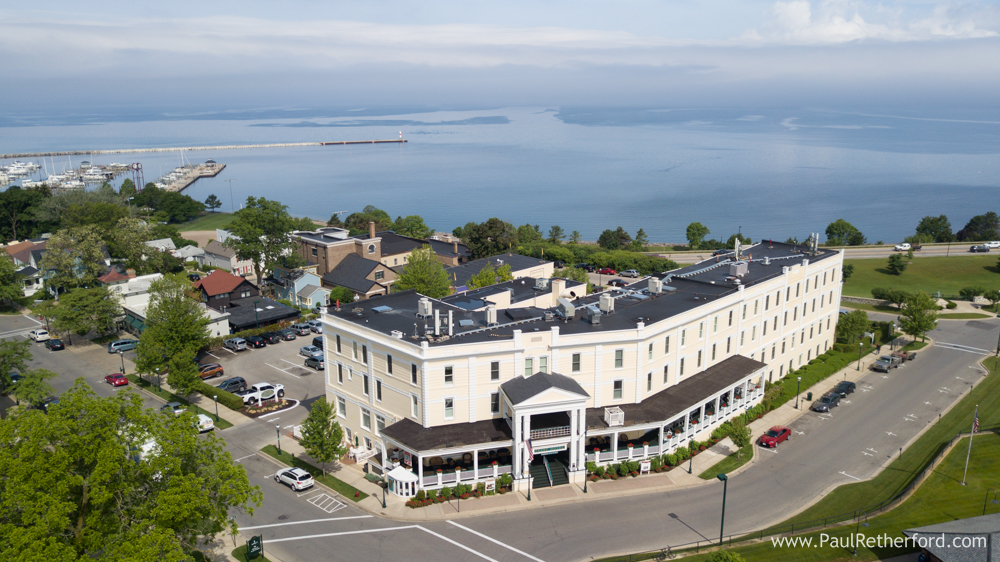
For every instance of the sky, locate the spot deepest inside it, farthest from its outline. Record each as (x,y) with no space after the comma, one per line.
(194,55)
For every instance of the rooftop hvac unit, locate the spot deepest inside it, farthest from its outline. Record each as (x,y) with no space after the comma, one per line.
(491,314)
(607,303)
(542,284)
(549,316)
(655,286)
(424,307)
(594,315)
(614,416)
(397,334)
(738,269)
(566,308)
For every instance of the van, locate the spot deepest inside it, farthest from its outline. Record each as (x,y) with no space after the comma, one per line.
(301,329)
(122,345)
(236,344)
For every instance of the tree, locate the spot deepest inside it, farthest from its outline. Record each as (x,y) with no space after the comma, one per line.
(322,436)
(696,232)
(463,232)
(490,276)
(128,242)
(83,310)
(175,323)
(897,265)
(357,223)
(981,227)
(10,283)
(182,372)
(938,229)
(16,209)
(127,188)
(34,387)
(212,202)
(303,223)
(556,234)
(335,221)
(972,292)
(424,274)
(98,214)
(920,315)
(852,325)
(893,296)
(741,435)
(576,274)
(73,258)
(122,482)
(994,297)
(14,358)
(614,239)
(412,226)
(341,294)
(574,237)
(847,271)
(527,233)
(744,241)
(490,238)
(261,234)
(843,233)
(641,240)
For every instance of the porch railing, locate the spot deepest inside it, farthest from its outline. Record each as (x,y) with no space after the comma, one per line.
(550,432)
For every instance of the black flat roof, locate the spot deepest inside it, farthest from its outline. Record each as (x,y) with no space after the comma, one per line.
(414,436)
(460,274)
(246,313)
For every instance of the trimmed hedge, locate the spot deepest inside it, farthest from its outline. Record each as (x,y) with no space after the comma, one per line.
(227,399)
(818,369)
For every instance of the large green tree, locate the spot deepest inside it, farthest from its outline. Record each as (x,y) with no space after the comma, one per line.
(10,283)
(528,233)
(128,243)
(980,228)
(261,234)
(212,202)
(897,264)
(490,275)
(424,274)
(322,436)
(17,212)
(937,229)
(73,258)
(34,388)
(121,482)
(357,223)
(852,325)
(412,226)
(490,238)
(920,315)
(696,232)
(614,239)
(641,240)
(843,233)
(182,372)
(575,237)
(83,310)
(740,433)
(14,358)
(556,234)
(175,323)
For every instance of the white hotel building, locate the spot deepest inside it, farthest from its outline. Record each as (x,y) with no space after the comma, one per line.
(535,378)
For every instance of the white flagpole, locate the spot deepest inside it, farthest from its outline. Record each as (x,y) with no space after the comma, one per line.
(975,416)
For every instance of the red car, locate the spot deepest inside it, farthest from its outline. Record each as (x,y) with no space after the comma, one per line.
(607,271)
(116,379)
(775,435)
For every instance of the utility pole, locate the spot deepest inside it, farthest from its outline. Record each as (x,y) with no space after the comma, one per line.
(232,202)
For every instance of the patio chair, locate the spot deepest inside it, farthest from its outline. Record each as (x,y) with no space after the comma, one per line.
(493,454)
(467,459)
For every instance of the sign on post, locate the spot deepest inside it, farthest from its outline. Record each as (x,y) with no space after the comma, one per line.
(644,467)
(255,547)
(491,486)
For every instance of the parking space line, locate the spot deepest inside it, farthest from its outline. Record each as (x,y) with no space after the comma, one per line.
(326,502)
(306,522)
(849,476)
(246,457)
(282,370)
(492,540)
(324,535)
(207,353)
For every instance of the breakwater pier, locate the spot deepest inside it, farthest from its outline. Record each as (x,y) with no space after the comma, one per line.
(186,148)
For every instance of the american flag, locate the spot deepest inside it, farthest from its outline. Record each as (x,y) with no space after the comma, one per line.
(531,450)
(975,423)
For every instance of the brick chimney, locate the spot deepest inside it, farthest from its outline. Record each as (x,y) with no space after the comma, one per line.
(130,273)
(371,229)
(454,247)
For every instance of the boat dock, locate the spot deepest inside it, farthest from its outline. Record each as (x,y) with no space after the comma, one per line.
(185,148)
(181,178)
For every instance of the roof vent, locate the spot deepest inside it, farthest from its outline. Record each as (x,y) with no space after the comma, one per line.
(614,416)
(381,309)
(594,315)
(424,307)
(491,314)
(466,323)
(549,315)
(738,269)
(607,303)
(397,334)
(767,260)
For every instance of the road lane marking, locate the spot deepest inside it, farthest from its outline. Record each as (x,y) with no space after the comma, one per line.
(326,502)
(960,347)
(403,528)
(866,453)
(458,544)
(491,539)
(767,449)
(842,472)
(800,432)
(282,370)
(890,434)
(246,457)
(305,522)
(872,450)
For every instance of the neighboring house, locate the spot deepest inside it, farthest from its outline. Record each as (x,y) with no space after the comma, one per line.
(367,278)
(220,255)
(133,293)
(219,288)
(27,258)
(257,311)
(190,253)
(301,286)
(520,266)
(163,244)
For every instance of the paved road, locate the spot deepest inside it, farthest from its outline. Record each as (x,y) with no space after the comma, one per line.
(849,444)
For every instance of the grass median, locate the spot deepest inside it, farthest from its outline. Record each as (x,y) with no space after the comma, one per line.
(241,555)
(946,274)
(222,423)
(330,481)
(209,221)
(730,463)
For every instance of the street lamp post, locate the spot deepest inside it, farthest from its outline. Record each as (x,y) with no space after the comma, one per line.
(122,355)
(725,487)
(798,384)
(157,378)
(861,346)
(255,312)
(277,429)
(385,484)
(857,529)
(216,398)
(892,342)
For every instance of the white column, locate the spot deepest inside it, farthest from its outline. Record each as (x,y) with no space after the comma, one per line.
(574,438)
(515,460)
(475,465)
(420,470)
(614,446)
(660,443)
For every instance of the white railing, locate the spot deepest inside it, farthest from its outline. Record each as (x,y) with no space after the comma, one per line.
(550,432)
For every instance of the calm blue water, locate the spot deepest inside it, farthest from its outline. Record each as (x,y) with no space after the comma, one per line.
(771,173)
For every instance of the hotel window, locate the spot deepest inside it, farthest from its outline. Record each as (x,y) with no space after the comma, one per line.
(244,293)
(810,332)
(744,312)
(681,372)
(730,318)
(495,403)
(619,359)
(775,323)
(368,443)
(666,373)
(774,348)
(715,325)
(314,251)
(699,358)
(795,314)
(340,373)
(341,407)
(753,334)
(728,341)
(338,344)
(819,327)
(355,348)
(765,329)
(713,352)
(414,406)
(683,338)
(805,306)
(797,290)
(792,340)
(788,293)
(785,323)
(814,305)
(449,408)
(742,334)
(827,323)
(576,362)
(777,298)
(365,389)
(366,419)
(379,275)
(666,346)
(378,390)
(767,303)
(388,364)
(618,389)
(650,352)
(413,373)
(495,371)
(449,376)
(803,338)
(824,279)
(755,303)
(791,365)
(529,367)
(364,355)
(701,330)
(543,364)
(379,424)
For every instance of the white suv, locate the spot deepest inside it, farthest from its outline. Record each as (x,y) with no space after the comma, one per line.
(992,245)
(236,344)
(39,335)
(296,478)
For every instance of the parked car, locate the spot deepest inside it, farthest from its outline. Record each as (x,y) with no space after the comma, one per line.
(296,478)
(301,329)
(721,252)
(47,404)
(559,264)
(606,271)
(905,356)
(175,408)
(775,435)
(256,342)
(904,247)
(261,392)
(236,344)
(826,402)
(38,335)
(192,277)
(992,245)
(210,370)
(205,423)
(14,379)
(585,266)
(979,248)
(271,337)
(844,388)
(116,379)
(122,345)
(617,283)
(316,362)
(310,351)
(287,334)
(316,326)
(887,362)
(318,341)
(630,273)
(234,385)
(54,345)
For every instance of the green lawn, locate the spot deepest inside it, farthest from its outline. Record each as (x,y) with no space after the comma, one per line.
(223,423)
(932,274)
(208,221)
(730,463)
(886,308)
(329,481)
(963,315)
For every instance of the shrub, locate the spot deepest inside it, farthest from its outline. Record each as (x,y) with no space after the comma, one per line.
(446,492)
(951,306)
(227,399)
(683,453)
(633,466)
(420,496)
(623,469)
(599,471)
(972,292)
(655,463)
(591,467)
(671,459)
(481,488)
(506,480)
